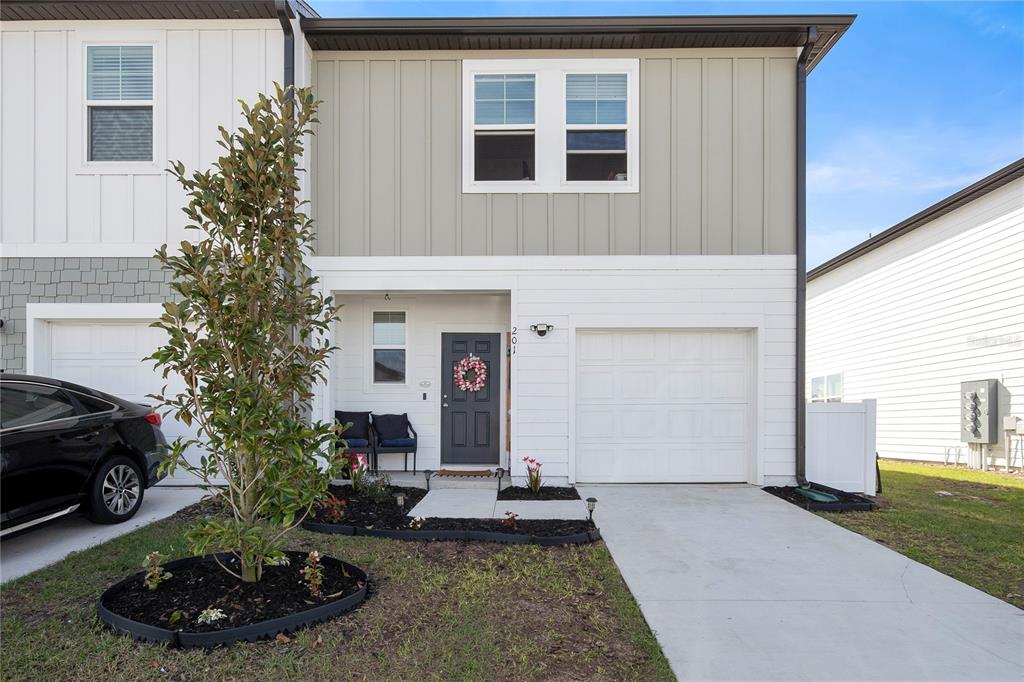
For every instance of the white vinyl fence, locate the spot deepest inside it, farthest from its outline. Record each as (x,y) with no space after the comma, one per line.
(841,445)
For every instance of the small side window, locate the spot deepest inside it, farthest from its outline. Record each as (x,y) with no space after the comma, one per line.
(389,347)
(827,389)
(93,405)
(27,404)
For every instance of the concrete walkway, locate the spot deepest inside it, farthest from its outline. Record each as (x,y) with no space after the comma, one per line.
(739,585)
(49,543)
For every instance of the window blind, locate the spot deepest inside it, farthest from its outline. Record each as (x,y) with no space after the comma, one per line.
(119,72)
(595,98)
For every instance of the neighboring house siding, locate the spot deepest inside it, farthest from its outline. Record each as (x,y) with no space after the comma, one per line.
(51,204)
(70,280)
(907,322)
(718,173)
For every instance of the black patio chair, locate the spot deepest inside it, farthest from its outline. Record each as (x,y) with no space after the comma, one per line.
(357,438)
(393,434)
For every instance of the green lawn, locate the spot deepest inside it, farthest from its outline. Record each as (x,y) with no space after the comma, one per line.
(440,611)
(975,533)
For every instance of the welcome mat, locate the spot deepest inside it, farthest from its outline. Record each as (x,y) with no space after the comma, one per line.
(458,473)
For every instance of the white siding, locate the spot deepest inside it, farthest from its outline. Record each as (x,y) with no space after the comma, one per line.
(426,317)
(55,206)
(906,323)
(673,292)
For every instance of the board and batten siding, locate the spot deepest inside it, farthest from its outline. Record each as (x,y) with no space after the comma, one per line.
(717,154)
(201,69)
(907,322)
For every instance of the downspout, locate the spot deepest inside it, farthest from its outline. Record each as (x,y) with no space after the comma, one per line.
(282,7)
(801,255)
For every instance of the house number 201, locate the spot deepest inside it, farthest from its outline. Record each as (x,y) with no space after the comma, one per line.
(514,340)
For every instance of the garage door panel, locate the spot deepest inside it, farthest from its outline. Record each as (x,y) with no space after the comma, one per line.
(729,384)
(640,384)
(595,348)
(665,405)
(639,347)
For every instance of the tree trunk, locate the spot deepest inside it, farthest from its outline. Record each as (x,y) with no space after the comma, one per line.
(250,573)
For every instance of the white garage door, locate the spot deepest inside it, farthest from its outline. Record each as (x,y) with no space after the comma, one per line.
(109,356)
(663,406)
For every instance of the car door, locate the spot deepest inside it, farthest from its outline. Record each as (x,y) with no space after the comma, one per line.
(47,450)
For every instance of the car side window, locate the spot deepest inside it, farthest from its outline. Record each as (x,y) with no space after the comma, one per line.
(27,404)
(93,405)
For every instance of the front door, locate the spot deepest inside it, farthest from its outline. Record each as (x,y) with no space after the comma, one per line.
(470,420)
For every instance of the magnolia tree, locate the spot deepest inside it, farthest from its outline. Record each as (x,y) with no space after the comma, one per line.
(248,335)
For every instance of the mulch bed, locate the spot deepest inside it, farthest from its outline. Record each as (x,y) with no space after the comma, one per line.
(546,493)
(205,585)
(847,501)
(365,511)
(536,527)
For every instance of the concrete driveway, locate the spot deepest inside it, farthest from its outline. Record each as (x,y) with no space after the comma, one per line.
(49,543)
(739,585)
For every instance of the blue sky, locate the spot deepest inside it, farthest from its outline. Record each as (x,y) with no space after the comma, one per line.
(918,100)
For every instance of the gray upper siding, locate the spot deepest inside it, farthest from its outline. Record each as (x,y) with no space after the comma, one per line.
(70,280)
(717,148)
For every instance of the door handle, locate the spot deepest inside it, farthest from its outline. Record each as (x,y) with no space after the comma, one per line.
(444,404)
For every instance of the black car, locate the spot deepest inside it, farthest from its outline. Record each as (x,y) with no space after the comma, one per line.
(65,447)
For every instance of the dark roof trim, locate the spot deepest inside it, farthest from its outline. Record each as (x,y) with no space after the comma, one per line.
(1001,177)
(509,33)
(112,10)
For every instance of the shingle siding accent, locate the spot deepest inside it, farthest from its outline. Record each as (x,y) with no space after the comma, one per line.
(70,280)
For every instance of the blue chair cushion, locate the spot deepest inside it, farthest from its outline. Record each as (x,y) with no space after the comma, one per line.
(399,443)
(357,442)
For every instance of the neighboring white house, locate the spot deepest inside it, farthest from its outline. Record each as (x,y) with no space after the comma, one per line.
(907,315)
(608,211)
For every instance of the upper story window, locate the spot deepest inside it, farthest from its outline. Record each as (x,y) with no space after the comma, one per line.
(551,125)
(504,143)
(827,389)
(119,103)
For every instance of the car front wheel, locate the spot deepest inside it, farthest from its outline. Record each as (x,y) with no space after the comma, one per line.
(116,491)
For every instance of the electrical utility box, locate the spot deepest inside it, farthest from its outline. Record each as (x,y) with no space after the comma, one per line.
(979,412)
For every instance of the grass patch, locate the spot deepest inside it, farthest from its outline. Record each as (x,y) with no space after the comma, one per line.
(438,611)
(968,524)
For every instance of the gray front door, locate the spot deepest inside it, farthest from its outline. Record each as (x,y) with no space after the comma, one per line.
(470,420)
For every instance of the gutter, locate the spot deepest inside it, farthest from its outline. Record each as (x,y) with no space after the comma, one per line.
(283,8)
(801,255)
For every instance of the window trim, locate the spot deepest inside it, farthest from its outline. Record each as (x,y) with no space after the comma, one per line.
(550,125)
(79,115)
(385,346)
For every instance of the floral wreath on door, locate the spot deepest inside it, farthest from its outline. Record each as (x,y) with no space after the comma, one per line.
(463,367)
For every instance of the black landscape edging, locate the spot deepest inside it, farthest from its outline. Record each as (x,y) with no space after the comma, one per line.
(471,535)
(248,633)
(852,501)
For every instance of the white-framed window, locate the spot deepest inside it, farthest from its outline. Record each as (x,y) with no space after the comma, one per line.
(119,103)
(388,347)
(827,389)
(551,125)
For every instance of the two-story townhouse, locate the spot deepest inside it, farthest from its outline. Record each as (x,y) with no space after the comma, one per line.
(607,211)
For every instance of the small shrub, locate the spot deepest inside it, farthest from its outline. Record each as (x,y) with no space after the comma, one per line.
(313,574)
(510,520)
(211,615)
(155,573)
(533,474)
(333,509)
